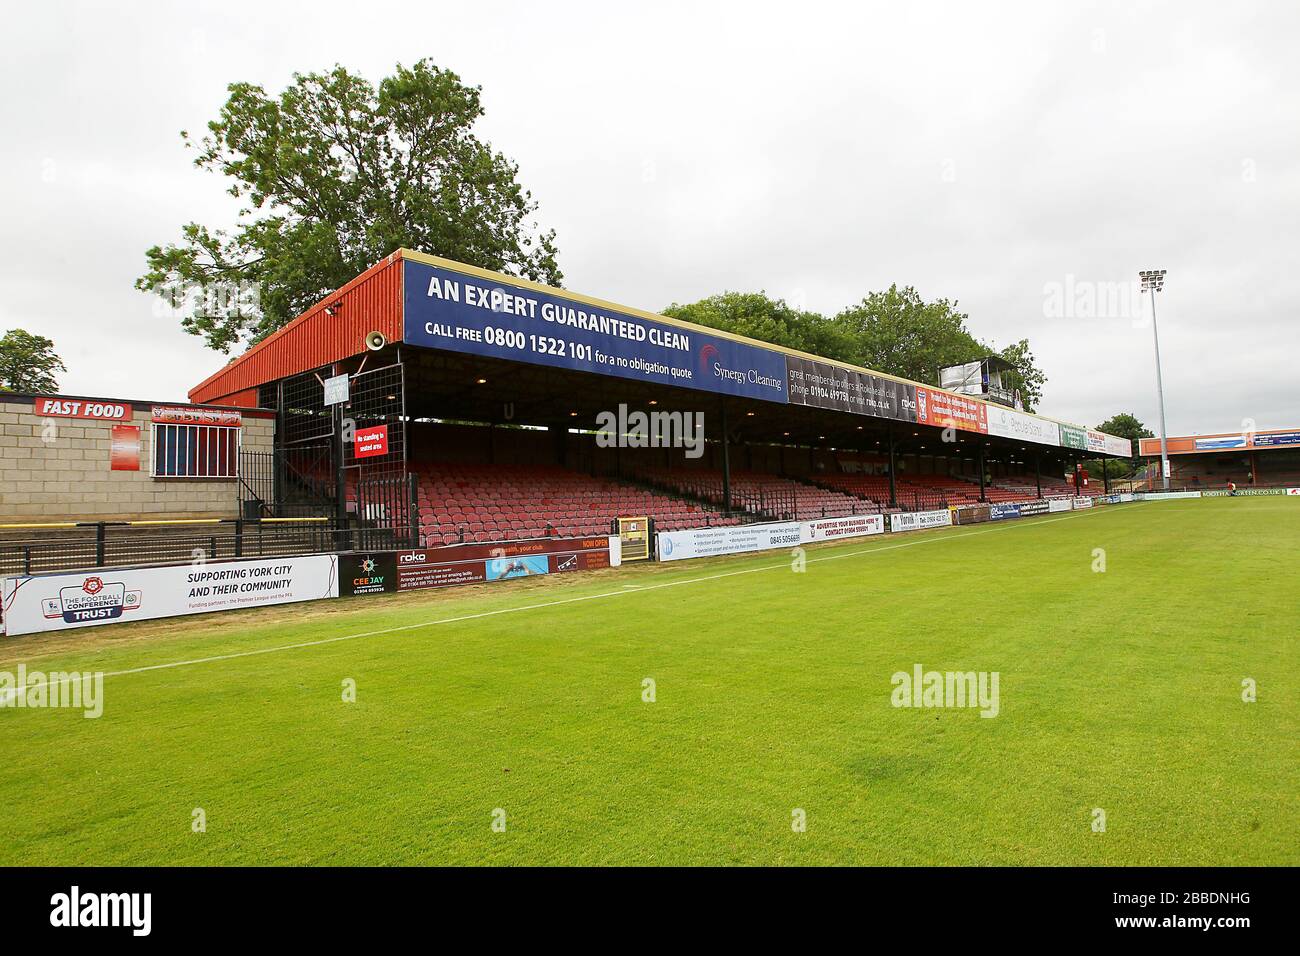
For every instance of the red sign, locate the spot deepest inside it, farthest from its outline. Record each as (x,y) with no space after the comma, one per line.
(370,442)
(467,563)
(190,415)
(82,408)
(947,410)
(125,445)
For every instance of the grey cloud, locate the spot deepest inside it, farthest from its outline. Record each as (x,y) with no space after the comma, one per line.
(978,152)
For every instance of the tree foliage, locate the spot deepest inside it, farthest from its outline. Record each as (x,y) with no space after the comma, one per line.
(332,175)
(28,363)
(755,315)
(894,331)
(1126,425)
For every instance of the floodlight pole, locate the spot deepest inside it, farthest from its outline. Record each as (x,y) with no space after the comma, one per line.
(1153,282)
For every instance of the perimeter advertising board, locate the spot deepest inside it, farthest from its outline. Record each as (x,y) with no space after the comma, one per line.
(57,602)
(821,385)
(364,572)
(445,309)
(739,539)
(829,529)
(915,520)
(971,514)
(1240,492)
(736,539)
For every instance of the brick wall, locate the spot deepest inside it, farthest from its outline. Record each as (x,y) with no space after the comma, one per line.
(55,469)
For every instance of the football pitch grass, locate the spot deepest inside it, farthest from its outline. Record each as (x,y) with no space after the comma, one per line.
(1119,691)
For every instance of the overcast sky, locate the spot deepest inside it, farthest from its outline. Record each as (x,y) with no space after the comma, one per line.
(1021,159)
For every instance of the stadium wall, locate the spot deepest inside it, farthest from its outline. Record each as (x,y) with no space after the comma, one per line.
(58,461)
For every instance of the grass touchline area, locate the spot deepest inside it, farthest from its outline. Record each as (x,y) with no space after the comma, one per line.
(922,537)
(1114,691)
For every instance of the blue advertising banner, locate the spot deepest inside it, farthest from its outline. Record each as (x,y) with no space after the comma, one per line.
(1278,438)
(999,512)
(444,309)
(519,566)
(1211,444)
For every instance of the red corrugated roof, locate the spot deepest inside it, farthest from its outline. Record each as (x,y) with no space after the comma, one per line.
(371,302)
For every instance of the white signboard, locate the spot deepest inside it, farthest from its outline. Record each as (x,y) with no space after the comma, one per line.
(1096,441)
(1009,423)
(1080,503)
(913,520)
(60,602)
(829,529)
(1293,491)
(965,379)
(706,542)
(336,390)
(1059,504)
(1169,495)
(1120,447)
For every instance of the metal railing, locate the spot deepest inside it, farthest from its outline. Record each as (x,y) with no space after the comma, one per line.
(66,546)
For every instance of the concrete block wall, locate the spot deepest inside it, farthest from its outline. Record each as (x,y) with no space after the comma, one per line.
(55,469)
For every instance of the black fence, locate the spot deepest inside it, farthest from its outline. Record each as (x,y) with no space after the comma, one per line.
(83,546)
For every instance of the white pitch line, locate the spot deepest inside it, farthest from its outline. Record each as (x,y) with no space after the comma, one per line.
(628,590)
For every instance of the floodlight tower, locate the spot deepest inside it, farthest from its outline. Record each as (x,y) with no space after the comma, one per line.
(1153,280)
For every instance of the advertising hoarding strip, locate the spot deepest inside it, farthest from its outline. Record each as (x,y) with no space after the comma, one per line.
(451,310)
(740,539)
(822,385)
(916,520)
(55,602)
(455,307)
(421,569)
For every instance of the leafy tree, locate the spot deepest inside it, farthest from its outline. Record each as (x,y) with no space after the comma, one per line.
(893,331)
(28,363)
(332,175)
(896,331)
(1126,425)
(755,315)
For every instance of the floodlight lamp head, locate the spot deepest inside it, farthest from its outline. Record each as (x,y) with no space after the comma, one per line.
(1153,280)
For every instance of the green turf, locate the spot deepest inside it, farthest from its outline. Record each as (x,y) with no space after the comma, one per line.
(1119,690)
